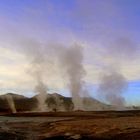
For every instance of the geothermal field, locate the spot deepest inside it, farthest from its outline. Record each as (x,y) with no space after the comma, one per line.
(46,116)
(24,121)
(69,70)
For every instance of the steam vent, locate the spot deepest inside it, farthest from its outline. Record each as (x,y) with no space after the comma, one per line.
(69,70)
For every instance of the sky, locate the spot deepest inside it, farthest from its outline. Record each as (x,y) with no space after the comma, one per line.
(108,30)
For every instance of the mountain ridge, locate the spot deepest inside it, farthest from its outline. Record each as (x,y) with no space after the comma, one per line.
(54,102)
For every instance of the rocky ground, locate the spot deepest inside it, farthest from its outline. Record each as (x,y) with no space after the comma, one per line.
(105,125)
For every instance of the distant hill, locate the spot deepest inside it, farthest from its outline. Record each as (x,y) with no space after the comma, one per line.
(54,102)
(22,103)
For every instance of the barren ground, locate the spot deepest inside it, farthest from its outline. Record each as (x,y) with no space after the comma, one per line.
(104,125)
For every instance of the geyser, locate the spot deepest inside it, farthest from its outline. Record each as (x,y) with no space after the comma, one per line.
(40,88)
(112,85)
(37,61)
(11,103)
(71,60)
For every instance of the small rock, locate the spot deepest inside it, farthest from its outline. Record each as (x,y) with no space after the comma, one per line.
(76,136)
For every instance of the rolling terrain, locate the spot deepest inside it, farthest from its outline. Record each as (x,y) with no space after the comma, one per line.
(60,121)
(54,102)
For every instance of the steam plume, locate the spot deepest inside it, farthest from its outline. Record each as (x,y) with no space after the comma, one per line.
(36,55)
(113,82)
(71,60)
(40,88)
(37,72)
(11,103)
(111,88)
